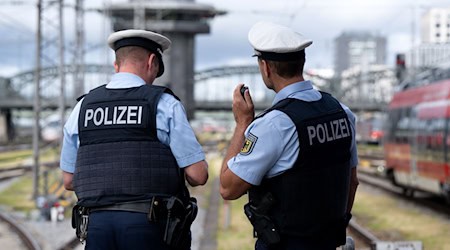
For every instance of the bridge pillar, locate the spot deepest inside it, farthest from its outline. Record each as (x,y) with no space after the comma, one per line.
(6,126)
(180,20)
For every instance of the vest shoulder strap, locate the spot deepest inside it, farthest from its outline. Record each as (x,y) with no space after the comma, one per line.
(285,102)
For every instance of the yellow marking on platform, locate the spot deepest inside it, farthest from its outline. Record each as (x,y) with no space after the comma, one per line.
(54,187)
(364,163)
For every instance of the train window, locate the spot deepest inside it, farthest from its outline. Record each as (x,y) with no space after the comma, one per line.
(438,125)
(403,130)
(403,123)
(437,133)
(430,139)
(391,125)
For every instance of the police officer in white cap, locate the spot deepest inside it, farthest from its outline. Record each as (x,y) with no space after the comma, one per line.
(128,148)
(297,159)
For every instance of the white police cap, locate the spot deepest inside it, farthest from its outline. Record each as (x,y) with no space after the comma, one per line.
(276,42)
(115,39)
(151,41)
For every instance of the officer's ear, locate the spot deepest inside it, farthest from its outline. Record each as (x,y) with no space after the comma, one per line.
(153,63)
(116,67)
(152,60)
(265,68)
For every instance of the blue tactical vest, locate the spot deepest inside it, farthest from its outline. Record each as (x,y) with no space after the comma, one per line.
(120,158)
(311,197)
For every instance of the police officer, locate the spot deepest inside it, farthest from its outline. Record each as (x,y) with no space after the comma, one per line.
(298,159)
(126,143)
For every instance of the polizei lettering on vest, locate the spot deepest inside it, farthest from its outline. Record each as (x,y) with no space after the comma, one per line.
(103,116)
(328,131)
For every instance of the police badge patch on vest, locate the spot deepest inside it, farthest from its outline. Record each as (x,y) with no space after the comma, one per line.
(249,144)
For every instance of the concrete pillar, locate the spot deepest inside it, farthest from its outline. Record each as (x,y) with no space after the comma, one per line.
(6,129)
(180,21)
(179,69)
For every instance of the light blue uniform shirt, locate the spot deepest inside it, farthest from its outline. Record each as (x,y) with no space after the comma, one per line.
(275,137)
(173,128)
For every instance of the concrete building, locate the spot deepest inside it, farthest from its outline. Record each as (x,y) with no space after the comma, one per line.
(357,48)
(180,21)
(430,55)
(435,26)
(434,49)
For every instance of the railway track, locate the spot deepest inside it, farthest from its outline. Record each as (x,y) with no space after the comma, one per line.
(372,173)
(27,239)
(360,234)
(362,237)
(7,148)
(437,204)
(13,172)
(72,244)
(9,173)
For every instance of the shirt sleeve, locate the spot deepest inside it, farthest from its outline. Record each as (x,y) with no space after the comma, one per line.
(174,130)
(70,141)
(353,147)
(271,147)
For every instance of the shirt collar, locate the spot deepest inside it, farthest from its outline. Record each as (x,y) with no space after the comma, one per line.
(123,80)
(291,89)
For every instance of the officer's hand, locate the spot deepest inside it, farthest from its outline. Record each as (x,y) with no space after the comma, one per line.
(243,108)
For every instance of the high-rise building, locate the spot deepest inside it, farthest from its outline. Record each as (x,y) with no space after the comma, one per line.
(434,49)
(358,48)
(435,26)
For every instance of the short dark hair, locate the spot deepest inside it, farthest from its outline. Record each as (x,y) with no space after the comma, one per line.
(134,53)
(288,69)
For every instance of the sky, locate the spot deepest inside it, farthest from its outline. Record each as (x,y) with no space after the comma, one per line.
(227,44)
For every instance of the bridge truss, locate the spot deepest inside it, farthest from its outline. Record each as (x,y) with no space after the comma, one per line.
(213,89)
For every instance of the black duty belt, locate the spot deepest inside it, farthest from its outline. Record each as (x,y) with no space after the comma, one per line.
(139,207)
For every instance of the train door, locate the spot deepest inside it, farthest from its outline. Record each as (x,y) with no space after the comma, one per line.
(416,129)
(429,160)
(399,151)
(446,183)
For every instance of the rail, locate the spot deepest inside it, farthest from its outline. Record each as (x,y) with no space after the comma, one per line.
(29,241)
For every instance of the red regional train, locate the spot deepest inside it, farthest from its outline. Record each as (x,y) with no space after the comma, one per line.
(417,139)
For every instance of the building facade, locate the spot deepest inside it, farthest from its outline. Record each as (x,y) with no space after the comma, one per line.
(434,49)
(358,48)
(435,26)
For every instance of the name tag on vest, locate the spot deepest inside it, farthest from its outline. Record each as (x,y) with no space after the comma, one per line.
(114,115)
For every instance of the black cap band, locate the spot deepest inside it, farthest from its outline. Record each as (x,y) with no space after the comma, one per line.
(137,41)
(272,56)
(143,43)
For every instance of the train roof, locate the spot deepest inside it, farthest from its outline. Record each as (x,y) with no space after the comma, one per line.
(439,90)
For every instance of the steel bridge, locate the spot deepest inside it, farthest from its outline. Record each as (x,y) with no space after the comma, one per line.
(347,89)
(213,88)
(17,91)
